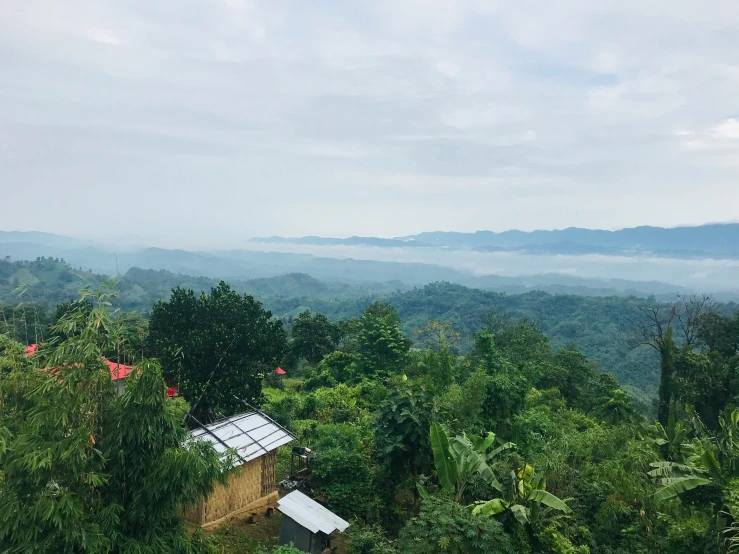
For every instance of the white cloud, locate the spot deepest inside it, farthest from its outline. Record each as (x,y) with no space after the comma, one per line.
(727,129)
(718,138)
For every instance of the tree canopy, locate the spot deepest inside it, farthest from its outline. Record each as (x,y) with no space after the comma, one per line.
(215,348)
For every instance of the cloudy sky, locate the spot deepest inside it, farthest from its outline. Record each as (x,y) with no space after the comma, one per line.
(211,118)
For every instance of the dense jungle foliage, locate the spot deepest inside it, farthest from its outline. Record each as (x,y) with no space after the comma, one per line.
(509,445)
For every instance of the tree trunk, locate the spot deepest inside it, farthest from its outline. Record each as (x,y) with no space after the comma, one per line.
(666,367)
(665,392)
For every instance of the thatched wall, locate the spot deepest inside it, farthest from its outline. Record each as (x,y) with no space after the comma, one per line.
(269,483)
(246,484)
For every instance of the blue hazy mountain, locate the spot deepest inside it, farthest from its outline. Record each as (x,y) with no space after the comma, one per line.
(704,241)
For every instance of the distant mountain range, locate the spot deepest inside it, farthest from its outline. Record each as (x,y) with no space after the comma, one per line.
(705,241)
(439,257)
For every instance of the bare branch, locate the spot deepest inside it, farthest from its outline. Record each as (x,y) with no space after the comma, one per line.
(690,309)
(655,320)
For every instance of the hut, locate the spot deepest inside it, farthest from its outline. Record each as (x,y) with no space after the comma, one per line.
(254,438)
(306,524)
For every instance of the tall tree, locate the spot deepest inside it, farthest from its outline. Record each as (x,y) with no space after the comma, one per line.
(656,330)
(215,347)
(83,469)
(313,337)
(438,362)
(659,325)
(506,386)
(383,350)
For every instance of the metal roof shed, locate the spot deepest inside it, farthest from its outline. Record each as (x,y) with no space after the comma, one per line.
(254,438)
(306,524)
(249,435)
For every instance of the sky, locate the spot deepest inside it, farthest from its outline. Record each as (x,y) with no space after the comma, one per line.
(206,119)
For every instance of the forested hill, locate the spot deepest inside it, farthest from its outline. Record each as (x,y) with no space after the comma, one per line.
(600,326)
(50,281)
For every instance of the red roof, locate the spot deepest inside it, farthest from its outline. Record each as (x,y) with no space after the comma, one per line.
(280,371)
(117,371)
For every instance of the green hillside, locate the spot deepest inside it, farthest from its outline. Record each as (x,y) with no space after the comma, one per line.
(602,327)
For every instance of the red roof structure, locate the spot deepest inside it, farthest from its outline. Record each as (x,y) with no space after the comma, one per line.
(117,371)
(280,371)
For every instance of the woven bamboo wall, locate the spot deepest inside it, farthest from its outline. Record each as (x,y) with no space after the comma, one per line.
(246,484)
(268,473)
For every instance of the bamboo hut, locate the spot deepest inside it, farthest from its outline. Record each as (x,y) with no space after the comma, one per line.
(254,438)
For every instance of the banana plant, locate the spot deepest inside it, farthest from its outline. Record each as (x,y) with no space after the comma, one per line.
(461,458)
(675,479)
(526,498)
(671,440)
(713,459)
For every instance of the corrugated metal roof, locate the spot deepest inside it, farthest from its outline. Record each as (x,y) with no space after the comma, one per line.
(310,514)
(250,435)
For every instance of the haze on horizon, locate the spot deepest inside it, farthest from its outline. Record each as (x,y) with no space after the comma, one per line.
(227,119)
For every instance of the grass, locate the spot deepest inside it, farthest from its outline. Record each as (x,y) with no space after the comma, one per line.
(248,534)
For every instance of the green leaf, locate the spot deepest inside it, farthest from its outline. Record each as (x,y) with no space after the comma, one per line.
(483,443)
(711,464)
(423,492)
(490,508)
(678,485)
(446,468)
(506,446)
(521,513)
(665,469)
(460,445)
(548,499)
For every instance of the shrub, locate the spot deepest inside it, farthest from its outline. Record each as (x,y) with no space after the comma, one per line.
(443,525)
(365,539)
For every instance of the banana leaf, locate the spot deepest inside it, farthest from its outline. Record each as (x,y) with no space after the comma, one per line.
(481,444)
(489,508)
(548,499)
(711,464)
(665,469)
(678,485)
(521,513)
(446,466)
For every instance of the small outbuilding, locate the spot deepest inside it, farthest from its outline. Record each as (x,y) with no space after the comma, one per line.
(306,524)
(254,438)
